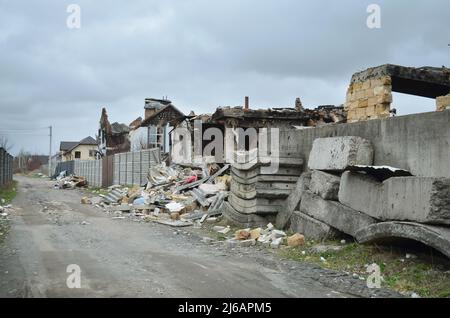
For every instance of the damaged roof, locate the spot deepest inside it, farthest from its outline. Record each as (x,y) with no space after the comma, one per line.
(425,81)
(119,129)
(308,117)
(166,114)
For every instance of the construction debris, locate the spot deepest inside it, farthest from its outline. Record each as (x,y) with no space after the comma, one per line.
(71,182)
(174,195)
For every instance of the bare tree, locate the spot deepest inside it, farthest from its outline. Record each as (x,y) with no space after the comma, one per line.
(5,144)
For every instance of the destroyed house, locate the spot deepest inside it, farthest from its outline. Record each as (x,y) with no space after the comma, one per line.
(161,116)
(113,138)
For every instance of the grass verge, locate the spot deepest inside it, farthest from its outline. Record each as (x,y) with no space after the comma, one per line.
(7,194)
(425,275)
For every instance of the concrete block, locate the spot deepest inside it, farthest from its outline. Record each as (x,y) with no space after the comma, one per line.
(337,153)
(417,199)
(434,236)
(293,200)
(325,185)
(334,214)
(362,193)
(312,228)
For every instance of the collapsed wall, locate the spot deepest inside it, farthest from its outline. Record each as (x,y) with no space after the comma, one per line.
(369,95)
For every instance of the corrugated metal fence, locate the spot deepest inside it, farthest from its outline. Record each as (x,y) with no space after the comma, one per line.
(129,168)
(6,167)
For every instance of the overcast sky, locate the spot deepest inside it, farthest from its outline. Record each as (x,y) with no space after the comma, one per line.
(201,54)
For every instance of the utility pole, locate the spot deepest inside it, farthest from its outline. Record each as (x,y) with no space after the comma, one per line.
(50,154)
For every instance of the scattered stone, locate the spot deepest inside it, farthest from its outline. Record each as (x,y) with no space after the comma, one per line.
(255,233)
(296,240)
(211,220)
(276,243)
(84,223)
(247,243)
(225,230)
(277,234)
(242,235)
(343,242)
(219,228)
(175,216)
(321,248)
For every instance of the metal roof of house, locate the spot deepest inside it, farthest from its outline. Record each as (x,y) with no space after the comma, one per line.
(70,145)
(67,145)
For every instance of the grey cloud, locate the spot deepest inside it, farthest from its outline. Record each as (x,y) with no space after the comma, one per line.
(200,53)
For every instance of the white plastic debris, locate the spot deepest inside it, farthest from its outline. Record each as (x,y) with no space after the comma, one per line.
(174,207)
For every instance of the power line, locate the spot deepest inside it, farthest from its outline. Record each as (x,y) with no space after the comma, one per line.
(24,129)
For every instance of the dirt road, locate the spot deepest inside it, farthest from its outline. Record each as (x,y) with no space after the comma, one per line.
(50,230)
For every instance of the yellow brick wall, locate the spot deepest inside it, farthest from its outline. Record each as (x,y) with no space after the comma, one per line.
(442,102)
(369,100)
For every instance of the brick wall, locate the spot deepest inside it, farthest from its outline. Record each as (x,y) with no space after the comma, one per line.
(369,99)
(442,102)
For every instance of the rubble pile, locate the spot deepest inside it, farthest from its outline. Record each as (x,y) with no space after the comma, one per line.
(344,194)
(174,195)
(256,196)
(269,236)
(70,182)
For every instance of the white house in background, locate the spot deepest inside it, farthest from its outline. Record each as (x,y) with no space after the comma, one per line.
(79,150)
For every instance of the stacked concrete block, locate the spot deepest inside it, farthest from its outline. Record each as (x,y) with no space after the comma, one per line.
(320,216)
(334,214)
(256,196)
(416,199)
(369,99)
(312,228)
(338,153)
(443,103)
(293,201)
(325,185)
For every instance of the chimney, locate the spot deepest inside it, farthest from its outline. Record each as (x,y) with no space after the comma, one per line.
(246,104)
(298,104)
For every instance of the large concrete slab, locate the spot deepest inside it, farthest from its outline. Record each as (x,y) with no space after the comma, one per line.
(337,153)
(312,228)
(423,200)
(435,236)
(325,185)
(334,214)
(293,200)
(418,143)
(362,193)
(415,199)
